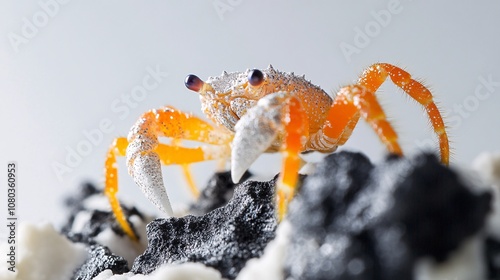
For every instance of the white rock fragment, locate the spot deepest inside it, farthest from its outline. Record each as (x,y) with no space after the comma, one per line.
(44,254)
(108,274)
(195,271)
(81,219)
(467,263)
(270,265)
(100,202)
(186,271)
(488,166)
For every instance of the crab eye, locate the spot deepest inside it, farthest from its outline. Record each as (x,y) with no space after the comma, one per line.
(255,77)
(193,83)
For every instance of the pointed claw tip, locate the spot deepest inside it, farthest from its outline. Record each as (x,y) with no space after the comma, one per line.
(237,171)
(236,175)
(146,172)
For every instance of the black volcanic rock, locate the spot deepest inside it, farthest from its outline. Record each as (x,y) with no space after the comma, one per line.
(75,202)
(492,256)
(353,220)
(98,221)
(224,238)
(217,193)
(100,259)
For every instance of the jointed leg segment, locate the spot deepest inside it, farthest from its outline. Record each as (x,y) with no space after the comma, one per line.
(375,75)
(360,99)
(296,131)
(118,148)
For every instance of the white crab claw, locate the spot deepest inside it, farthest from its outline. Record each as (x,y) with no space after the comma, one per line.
(144,164)
(146,171)
(255,132)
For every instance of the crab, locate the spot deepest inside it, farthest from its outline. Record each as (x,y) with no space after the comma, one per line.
(255,112)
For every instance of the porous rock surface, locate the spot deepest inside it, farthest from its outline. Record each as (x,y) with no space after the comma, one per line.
(354,220)
(217,193)
(100,258)
(224,238)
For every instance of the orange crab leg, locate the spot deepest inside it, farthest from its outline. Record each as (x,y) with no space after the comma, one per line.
(376,74)
(185,167)
(183,156)
(180,125)
(344,113)
(189,178)
(296,129)
(118,147)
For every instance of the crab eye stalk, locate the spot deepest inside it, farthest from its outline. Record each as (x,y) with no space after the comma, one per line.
(193,83)
(255,77)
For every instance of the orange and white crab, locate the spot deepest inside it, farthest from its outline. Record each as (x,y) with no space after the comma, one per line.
(258,111)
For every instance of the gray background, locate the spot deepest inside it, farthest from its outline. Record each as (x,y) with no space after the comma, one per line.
(77,65)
